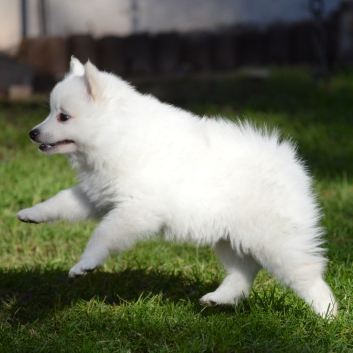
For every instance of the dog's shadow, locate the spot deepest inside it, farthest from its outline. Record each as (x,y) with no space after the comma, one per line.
(33,294)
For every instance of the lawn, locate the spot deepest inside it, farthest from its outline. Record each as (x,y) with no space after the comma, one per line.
(146,300)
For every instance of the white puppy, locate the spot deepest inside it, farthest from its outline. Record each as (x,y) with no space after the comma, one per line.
(148,167)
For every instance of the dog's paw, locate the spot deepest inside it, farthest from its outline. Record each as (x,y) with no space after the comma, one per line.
(82,268)
(217,298)
(30,215)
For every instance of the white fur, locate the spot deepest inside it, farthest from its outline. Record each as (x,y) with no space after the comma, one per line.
(149,167)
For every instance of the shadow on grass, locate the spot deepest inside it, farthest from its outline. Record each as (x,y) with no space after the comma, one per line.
(30,294)
(27,295)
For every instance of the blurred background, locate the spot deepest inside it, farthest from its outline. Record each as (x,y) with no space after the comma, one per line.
(167,38)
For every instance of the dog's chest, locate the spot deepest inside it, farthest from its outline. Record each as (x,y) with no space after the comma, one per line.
(100,188)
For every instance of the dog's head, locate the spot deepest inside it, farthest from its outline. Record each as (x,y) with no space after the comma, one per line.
(82,96)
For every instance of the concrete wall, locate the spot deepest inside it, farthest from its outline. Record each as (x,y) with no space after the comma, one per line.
(123,17)
(10,24)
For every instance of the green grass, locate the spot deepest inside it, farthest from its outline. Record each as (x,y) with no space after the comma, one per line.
(146,300)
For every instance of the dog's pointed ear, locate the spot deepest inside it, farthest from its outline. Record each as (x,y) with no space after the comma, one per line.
(76,68)
(92,80)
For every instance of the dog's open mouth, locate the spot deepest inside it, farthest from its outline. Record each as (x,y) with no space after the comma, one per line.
(47,147)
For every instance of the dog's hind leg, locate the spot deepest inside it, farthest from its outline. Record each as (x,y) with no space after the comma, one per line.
(70,205)
(316,292)
(118,231)
(241,272)
(303,273)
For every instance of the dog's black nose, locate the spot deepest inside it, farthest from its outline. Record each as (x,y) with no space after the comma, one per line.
(33,133)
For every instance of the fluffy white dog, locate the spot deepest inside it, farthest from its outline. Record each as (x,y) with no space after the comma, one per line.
(148,167)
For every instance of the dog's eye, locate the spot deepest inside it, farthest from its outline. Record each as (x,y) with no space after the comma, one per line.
(64,117)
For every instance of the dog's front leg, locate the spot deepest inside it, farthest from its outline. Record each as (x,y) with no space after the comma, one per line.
(118,231)
(70,205)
